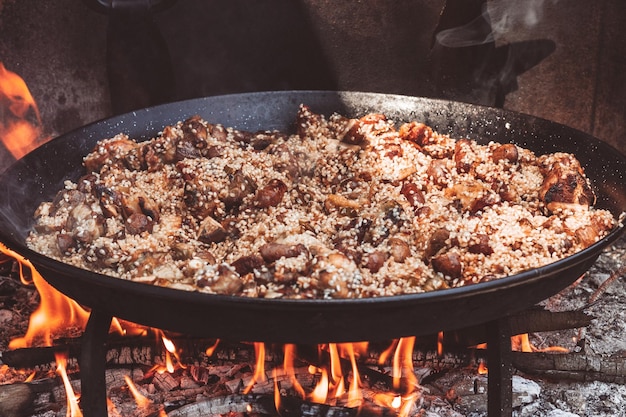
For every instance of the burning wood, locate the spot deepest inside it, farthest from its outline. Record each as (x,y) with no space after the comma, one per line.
(55,311)
(140,351)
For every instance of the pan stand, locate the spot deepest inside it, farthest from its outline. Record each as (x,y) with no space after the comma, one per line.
(499,361)
(93,398)
(93,363)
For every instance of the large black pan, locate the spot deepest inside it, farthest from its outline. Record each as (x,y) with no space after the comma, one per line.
(40,174)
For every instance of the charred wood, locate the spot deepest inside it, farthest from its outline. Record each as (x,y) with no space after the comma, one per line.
(528,321)
(121,351)
(16,400)
(573,366)
(142,351)
(289,406)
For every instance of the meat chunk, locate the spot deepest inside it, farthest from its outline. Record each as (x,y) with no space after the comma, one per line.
(563,187)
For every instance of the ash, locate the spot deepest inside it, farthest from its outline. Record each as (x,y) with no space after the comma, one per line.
(465,392)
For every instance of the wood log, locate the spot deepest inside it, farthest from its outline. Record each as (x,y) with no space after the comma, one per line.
(574,366)
(143,351)
(121,351)
(528,321)
(260,404)
(16,400)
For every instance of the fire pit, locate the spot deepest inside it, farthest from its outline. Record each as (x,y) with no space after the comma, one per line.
(306,321)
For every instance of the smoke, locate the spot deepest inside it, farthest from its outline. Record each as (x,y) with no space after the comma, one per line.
(509,15)
(476,32)
(496,20)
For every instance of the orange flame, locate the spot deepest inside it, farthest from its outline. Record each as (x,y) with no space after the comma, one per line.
(259,370)
(211,349)
(140,399)
(111,410)
(521,343)
(355,397)
(336,373)
(277,401)
(20,122)
(387,353)
(403,363)
(332,383)
(320,392)
(172,358)
(288,361)
(72,400)
(482,368)
(440,344)
(403,367)
(56,312)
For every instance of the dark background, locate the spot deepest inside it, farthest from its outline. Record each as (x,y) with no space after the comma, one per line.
(560,60)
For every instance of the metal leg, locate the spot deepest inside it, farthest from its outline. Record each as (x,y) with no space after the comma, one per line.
(500,390)
(93,399)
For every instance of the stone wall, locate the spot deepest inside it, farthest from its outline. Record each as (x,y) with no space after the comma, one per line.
(562,61)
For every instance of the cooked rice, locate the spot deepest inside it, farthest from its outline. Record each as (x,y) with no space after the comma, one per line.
(356,208)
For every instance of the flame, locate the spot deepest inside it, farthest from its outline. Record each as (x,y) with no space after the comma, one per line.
(403,367)
(355,397)
(401,404)
(55,313)
(440,343)
(332,384)
(31,377)
(320,392)
(140,399)
(277,401)
(259,370)
(72,400)
(482,368)
(111,410)
(332,381)
(387,353)
(336,373)
(172,358)
(288,360)
(211,349)
(127,328)
(20,122)
(403,363)
(521,343)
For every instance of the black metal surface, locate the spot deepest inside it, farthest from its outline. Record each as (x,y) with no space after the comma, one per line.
(93,400)
(500,384)
(41,173)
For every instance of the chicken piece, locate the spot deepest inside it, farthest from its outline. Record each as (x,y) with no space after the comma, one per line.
(563,187)
(109,152)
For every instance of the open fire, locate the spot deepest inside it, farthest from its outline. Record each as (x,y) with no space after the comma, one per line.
(345,377)
(336,381)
